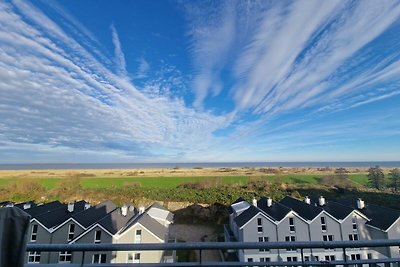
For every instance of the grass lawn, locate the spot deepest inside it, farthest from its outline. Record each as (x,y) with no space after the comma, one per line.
(172,182)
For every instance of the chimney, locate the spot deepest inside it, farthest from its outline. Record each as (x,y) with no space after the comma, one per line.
(321,201)
(269,202)
(360,204)
(87,205)
(71,207)
(27,205)
(141,209)
(254,202)
(124,210)
(307,200)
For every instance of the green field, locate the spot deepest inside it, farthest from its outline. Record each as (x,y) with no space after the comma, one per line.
(173,182)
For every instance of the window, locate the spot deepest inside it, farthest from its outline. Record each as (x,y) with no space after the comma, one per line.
(263,239)
(306,258)
(249,259)
(138,236)
(290,259)
(259,223)
(323,224)
(265,259)
(137,258)
(290,238)
(353,237)
(34,233)
(71,231)
(34,256)
(330,257)
(65,256)
(97,237)
(354,223)
(328,238)
(291,225)
(99,258)
(355,257)
(130,258)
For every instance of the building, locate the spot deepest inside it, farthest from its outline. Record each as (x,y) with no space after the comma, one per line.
(57,223)
(291,220)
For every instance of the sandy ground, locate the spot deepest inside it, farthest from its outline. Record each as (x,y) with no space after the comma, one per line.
(197,233)
(172,172)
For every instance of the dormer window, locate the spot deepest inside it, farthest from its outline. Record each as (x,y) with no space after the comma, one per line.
(323,224)
(34,233)
(291,225)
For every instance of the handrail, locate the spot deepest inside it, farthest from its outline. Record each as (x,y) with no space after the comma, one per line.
(214,245)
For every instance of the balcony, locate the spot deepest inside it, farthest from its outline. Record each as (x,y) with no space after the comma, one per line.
(301,246)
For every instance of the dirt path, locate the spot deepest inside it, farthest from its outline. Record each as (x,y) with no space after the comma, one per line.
(197,233)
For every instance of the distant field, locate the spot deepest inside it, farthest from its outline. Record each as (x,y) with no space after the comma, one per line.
(172,182)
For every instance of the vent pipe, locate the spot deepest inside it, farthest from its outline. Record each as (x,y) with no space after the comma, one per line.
(87,205)
(360,204)
(27,206)
(307,200)
(254,202)
(124,210)
(269,202)
(71,207)
(321,201)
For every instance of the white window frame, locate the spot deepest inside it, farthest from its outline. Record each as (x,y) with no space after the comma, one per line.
(324,227)
(263,239)
(71,233)
(99,258)
(129,258)
(265,259)
(259,226)
(292,228)
(330,257)
(136,258)
(95,236)
(328,238)
(290,238)
(138,237)
(34,233)
(65,254)
(35,255)
(352,235)
(354,223)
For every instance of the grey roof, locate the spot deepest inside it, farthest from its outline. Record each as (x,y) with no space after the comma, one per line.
(230,209)
(246,215)
(337,210)
(380,217)
(90,216)
(44,209)
(115,221)
(153,225)
(307,211)
(58,216)
(21,205)
(277,211)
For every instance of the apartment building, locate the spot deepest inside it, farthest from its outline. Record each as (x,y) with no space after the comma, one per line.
(291,220)
(57,223)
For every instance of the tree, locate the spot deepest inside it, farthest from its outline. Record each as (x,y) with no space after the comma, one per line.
(376,177)
(395,178)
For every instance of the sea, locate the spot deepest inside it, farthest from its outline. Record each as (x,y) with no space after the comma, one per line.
(190,165)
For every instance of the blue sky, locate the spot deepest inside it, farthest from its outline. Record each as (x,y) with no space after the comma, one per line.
(199,81)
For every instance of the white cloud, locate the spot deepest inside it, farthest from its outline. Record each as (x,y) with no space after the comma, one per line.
(119,55)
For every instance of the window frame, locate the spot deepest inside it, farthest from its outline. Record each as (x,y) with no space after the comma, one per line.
(96,241)
(99,257)
(34,232)
(71,233)
(36,256)
(65,254)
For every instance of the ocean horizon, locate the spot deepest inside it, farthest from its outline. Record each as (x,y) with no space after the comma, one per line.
(59,166)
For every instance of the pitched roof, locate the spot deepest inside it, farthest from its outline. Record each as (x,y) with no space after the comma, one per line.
(58,216)
(115,221)
(277,211)
(380,217)
(240,199)
(307,211)
(153,226)
(246,215)
(22,204)
(337,210)
(44,209)
(90,216)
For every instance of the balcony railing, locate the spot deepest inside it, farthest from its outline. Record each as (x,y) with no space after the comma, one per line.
(343,245)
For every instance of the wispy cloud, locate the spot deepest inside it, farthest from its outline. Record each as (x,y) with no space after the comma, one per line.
(119,55)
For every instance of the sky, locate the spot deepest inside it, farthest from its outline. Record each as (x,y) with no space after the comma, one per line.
(199,81)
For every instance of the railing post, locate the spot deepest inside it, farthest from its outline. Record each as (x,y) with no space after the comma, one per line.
(83,257)
(344,257)
(302,256)
(199,255)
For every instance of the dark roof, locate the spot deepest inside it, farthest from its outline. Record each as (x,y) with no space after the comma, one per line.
(115,221)
(277,211)
(60,215)
(153,226)
(337,210)
(94,214)
(5,203)
(380,217)
(21,205)
(44,209)
(246,215)
(307,211)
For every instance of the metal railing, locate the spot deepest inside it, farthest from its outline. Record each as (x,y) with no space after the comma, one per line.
(225,246)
